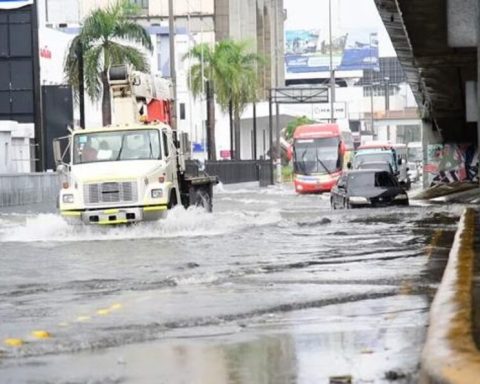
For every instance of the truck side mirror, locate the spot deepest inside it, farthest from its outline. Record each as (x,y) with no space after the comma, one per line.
(62,168)
(57,152)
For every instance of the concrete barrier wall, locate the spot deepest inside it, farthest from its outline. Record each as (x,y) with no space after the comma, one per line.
(450,355)
(28,188)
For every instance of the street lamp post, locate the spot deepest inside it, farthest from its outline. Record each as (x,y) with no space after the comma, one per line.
(371,87)
(332,72)
(173,75)
(387,94)
(387,103)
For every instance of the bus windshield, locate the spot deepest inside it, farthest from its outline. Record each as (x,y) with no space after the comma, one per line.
(116,146)
(317,155)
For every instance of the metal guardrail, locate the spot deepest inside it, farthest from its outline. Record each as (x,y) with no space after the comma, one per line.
(28,188)
(34,188)
(240,171)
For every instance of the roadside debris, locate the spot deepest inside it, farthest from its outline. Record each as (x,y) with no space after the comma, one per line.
(347,379)
(394,375)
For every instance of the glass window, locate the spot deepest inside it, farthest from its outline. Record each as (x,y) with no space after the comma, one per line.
(361,158)
(415,154)
(116,146)
(182,111)
(141,3)
(317,155)
(159,56)
(370,179)
(165,143)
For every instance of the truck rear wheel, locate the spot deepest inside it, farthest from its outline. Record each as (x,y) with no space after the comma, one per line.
(203,199)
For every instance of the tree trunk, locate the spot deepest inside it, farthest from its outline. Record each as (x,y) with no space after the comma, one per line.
(81,84)
(211,147)
(230,116)
(237,134)
(106,104)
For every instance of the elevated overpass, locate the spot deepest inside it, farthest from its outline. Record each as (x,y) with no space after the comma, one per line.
(436,72)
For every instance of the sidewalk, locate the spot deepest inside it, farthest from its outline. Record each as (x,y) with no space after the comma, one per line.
(450,354)
(476,285)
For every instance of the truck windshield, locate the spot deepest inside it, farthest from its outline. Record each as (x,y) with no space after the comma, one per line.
(116,146)
(317,155)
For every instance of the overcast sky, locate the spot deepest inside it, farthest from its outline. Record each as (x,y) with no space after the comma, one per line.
(312,14)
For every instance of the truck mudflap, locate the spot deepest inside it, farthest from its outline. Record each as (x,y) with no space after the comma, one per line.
(112,216)
(198,192)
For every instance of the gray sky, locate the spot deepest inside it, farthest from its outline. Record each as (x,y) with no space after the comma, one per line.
(312,14)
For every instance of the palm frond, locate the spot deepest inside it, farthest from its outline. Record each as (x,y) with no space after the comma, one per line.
(71,64)
(132,31)
(116,53)
(93,64)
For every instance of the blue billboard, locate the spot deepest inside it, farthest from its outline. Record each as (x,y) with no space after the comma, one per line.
(13,4)
(308,51)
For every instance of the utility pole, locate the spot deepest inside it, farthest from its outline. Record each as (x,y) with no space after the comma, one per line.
(332,71)
(387,104)
(270,128)
(173,75)
(277,112)
(254,131)
(371,88)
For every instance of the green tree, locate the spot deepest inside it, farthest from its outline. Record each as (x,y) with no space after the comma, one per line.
(292,125)
(231,71)
(101,41)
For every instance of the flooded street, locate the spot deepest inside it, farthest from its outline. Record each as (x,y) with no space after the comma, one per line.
(272,287)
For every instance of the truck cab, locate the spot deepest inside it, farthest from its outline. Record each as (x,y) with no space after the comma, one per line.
(134,170)
(126,174)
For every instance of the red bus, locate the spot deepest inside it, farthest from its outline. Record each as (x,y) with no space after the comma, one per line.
(320,154)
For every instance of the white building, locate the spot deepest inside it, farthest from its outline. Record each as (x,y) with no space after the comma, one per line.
(16,147)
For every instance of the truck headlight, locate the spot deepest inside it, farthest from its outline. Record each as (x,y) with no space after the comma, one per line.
(157,193)
(68,198)
(401,197)
(358,200)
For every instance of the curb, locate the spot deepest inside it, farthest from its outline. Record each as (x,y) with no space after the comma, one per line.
(450,355)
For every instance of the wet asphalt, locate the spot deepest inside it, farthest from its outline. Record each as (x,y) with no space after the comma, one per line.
(272,287)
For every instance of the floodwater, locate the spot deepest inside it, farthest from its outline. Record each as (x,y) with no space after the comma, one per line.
(272,287)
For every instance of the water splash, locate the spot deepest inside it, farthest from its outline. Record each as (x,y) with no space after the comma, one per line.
(179,223)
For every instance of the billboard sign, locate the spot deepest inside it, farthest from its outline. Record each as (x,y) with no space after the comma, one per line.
(308,52)
(322,111)
(14,4)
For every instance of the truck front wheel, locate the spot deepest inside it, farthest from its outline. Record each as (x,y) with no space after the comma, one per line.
(172,202)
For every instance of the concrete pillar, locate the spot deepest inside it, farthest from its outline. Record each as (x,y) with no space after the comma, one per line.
(429,136)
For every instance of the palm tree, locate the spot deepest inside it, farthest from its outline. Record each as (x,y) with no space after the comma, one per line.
(201,78)
(241,84)
(100,43)
(231,71)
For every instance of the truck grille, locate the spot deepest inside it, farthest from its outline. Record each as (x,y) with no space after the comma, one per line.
(111,192)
